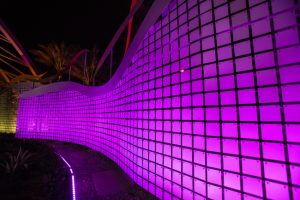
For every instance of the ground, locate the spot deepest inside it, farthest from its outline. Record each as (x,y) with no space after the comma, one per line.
(96,176)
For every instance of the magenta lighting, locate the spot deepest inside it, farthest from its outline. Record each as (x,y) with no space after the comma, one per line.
(209,107)
(72,176)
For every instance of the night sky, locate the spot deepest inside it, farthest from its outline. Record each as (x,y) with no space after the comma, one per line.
(83,23)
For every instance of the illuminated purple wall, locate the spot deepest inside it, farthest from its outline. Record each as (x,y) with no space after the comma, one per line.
(227,127)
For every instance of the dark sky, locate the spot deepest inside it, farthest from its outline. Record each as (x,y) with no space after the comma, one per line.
(79,22)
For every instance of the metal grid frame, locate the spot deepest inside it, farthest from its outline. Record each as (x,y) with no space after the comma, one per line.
(158,123)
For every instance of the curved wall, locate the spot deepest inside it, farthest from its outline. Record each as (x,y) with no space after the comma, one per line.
(208,109)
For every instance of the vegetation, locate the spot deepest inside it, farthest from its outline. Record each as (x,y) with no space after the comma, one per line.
(90,69)
(85,66)
(13,163)
(56,55)
(30,170)
(61,57)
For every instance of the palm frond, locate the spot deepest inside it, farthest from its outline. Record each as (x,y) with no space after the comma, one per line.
(15,162)
(56,55)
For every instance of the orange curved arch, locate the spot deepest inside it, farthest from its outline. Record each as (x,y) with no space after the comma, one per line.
(14,42)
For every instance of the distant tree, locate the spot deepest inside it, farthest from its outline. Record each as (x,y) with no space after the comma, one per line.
(56,55)
(85,67)
(91,67)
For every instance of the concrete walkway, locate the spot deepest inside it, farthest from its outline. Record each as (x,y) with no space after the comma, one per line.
(96,176)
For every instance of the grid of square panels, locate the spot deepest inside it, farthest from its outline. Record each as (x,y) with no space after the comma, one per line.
(7,117)
(8,105)
(209,108)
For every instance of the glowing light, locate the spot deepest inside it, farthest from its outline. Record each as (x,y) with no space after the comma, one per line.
(182,70)
(72,177)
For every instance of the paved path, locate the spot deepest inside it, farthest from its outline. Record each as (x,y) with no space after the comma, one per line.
(96,176)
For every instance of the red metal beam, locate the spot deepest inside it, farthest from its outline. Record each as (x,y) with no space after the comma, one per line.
(133,2)
(117,35)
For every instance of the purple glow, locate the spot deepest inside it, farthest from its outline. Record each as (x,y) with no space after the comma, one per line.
(72,176)
(209,108)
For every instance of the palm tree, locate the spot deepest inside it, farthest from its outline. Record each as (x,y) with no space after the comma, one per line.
(90,69)
(85,68)
(56,55)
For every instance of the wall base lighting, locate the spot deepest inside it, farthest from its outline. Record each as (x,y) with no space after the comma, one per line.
(72,177)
